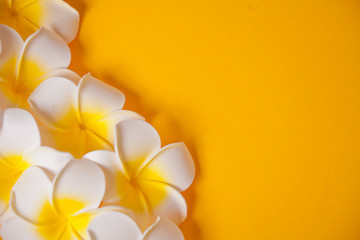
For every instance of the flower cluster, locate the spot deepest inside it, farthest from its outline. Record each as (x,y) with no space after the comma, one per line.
(73,163)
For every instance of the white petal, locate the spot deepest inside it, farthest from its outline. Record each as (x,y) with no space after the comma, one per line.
(173,165)
(30,197)
(111,167)
(97,98)
(114,226)
(80,222)
(55,15)
(54,102)
(136,142)
(61,72)
(105,126)
(164,200)
(18,229)
(79,187)
(19,132)
(43,51)
(49,159)
(163,229)
(11,45)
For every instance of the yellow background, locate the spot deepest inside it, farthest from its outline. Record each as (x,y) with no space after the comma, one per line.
(264,93)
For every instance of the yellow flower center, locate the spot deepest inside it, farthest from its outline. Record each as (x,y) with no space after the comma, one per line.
(23,16)
(10,170)
(63,225)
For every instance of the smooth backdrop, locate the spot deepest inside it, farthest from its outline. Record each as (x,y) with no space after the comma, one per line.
(266,95)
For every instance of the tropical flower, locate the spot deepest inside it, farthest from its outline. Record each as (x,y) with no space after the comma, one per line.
(24,65)
(80,118)
(67,208)
(116,226)
(142,176)
(58,209)
(20,148)
(27,16)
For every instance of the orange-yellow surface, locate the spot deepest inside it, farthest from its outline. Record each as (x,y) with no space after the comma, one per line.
(266,94)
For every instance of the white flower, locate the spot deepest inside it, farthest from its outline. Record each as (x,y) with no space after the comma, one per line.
(81,118)
(24,65)
(59,209)
(28,16)
(20,148)
(142,176)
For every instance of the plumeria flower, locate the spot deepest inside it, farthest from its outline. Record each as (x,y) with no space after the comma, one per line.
(116,226)
(58,209)
(144,177)
(20,148)
(27,16)
(24,65)
(80,118)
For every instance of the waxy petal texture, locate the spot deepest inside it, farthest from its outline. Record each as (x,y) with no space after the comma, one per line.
(79,187)
(28,16)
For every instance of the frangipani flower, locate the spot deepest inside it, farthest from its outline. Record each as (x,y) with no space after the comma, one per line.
(20,148)
(81,118)
(142,176)
(116,226)
(27,16)
(68,209)
(24,65)
(58,209)
(43,214)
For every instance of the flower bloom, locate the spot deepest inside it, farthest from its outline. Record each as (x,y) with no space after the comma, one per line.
(58,209)
(68,208)
(24,65)
(80,118)
(28,16)
(144,177)
(20,148)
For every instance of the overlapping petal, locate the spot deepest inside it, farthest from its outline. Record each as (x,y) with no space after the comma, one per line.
(136,142)
(18,228)
(117,226)
(20,148)
(104,127)
(163,229)
(79,187)
(146,179)
(114,226)
(87,112)
(11,46)
(18,134)
(163,200)
(49,159)
(54,102)
(28,16)
(97,99)
(60,209)
(111,167)
(173,165)
(30,198)
(42,52)
(24,65)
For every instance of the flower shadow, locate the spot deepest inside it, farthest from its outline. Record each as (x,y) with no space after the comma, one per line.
(170,131)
